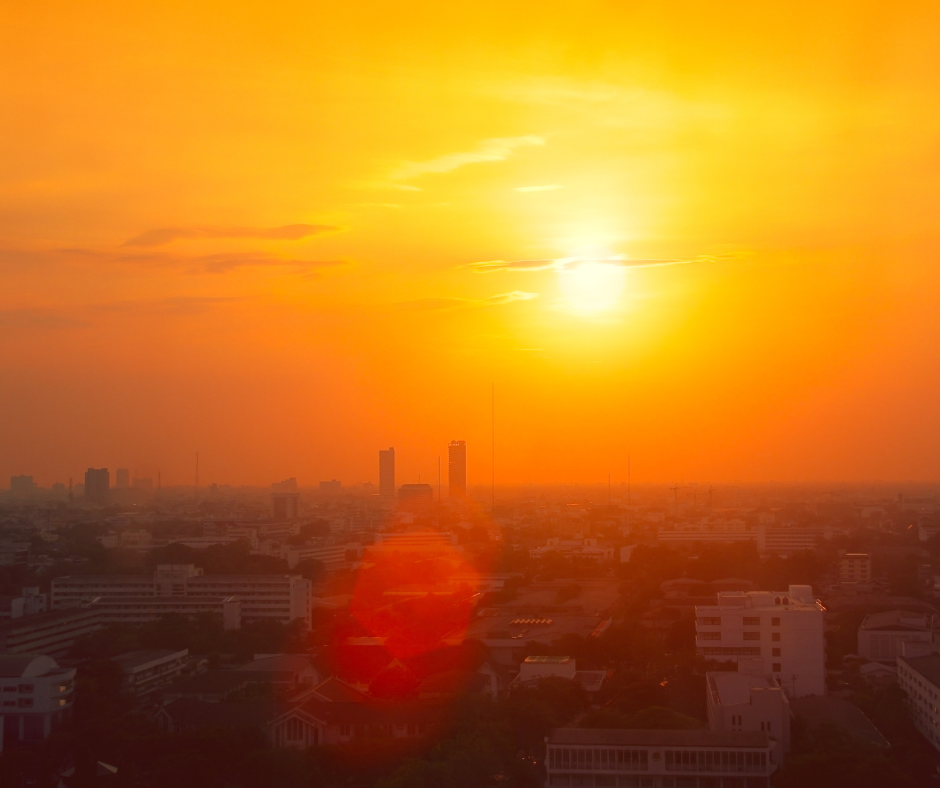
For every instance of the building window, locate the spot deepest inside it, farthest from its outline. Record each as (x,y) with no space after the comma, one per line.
(710,621)
(752,635)
(711,636)
(26,703)
(775,636)
(775,652)
(775,622)
(752,621)
(776,667)
(26,688)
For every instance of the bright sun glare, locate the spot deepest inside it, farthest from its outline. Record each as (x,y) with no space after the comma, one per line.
(592,287)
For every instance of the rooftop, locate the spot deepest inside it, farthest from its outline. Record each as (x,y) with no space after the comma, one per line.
(140,659)
(548,660)
(829,710)
(662,738)
(897,620)
(23,666)
(928,667)
(732,689)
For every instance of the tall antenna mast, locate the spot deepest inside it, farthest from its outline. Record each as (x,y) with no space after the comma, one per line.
(629,500)
(196,486)
(493,446)
(438,478)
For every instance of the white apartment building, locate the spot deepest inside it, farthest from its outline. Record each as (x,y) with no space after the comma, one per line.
(35,696)
(919,677)
(282,598)
(333,556)
(659,758)
(786,539)
(743,702)
(881,634)
(783,628)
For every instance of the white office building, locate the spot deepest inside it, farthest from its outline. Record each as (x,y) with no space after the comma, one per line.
(919,677)
(282,598)
(782,628)
(744,702)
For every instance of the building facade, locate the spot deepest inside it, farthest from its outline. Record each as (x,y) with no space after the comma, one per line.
(784,629)
(457,469)
(881,634)
(387,473)
(51,633)
(97,485)
(35,696)
(855,568)
(742,702)
(145,672)
(919,677)
(282,598)
(659,759)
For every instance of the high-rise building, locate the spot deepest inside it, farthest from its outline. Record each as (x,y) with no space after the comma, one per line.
(457,469)
(284,505)
(97,483)
(22,485)
(387,472)
(416,497)
(123,479)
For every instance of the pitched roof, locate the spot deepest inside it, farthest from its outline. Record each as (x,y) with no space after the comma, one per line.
(337,691)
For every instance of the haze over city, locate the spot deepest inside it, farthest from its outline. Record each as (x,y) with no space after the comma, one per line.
(493,395)
(269,236)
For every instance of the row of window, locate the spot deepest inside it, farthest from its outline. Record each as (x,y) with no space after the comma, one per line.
(774,636)
(24,688)
(641,781)
(712,761)
(605,760)
(748,621)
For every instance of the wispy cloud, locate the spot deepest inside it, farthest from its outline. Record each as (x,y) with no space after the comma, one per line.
(289,232)
(429,304)
(567,263)
(221,262)
(497,149)
(547,188)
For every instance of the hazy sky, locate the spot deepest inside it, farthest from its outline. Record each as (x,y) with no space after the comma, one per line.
(250,229)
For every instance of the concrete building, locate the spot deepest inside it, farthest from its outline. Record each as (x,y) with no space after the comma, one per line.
(660,758)
(333,556)
(742,702)
(919,677)
(144,609)
(387,473)
(855,568)
(122,478)
(331,487)
(720,531)
(22,486)
(574,548)
(533,669)
(29,603)
(881,634)
(281,598)
(785,539)
(52,633)
(97,485)
(145,672)
(284,505)
(784,629)
(416,497)
(35,696)
(457,469)
(425,543)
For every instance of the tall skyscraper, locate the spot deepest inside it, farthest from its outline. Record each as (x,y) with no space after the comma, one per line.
(97,483)
(457,469)
(387,472)
(123,478)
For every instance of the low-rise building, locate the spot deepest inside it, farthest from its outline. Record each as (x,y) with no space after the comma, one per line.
(855,568)
(143,609)
(742,702)
(533,669)
(919,677)
(52,633)
(587,548)
(35,696)
(881,634)
(146,672)
(659,758)
(783,628)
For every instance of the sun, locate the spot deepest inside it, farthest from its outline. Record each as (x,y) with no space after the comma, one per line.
(591,287)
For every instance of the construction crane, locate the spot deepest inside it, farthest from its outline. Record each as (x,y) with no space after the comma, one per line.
(675,493)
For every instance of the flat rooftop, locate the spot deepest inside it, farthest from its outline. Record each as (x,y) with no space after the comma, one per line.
(733,689)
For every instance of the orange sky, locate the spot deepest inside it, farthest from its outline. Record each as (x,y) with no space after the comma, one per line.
(249,230)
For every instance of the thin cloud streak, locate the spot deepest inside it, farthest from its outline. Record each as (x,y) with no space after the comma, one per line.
(496,149)
(289,232)
(547,188)
(431,304)
(567,263)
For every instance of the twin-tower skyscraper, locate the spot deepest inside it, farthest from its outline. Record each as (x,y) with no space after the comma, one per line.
(456,470)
